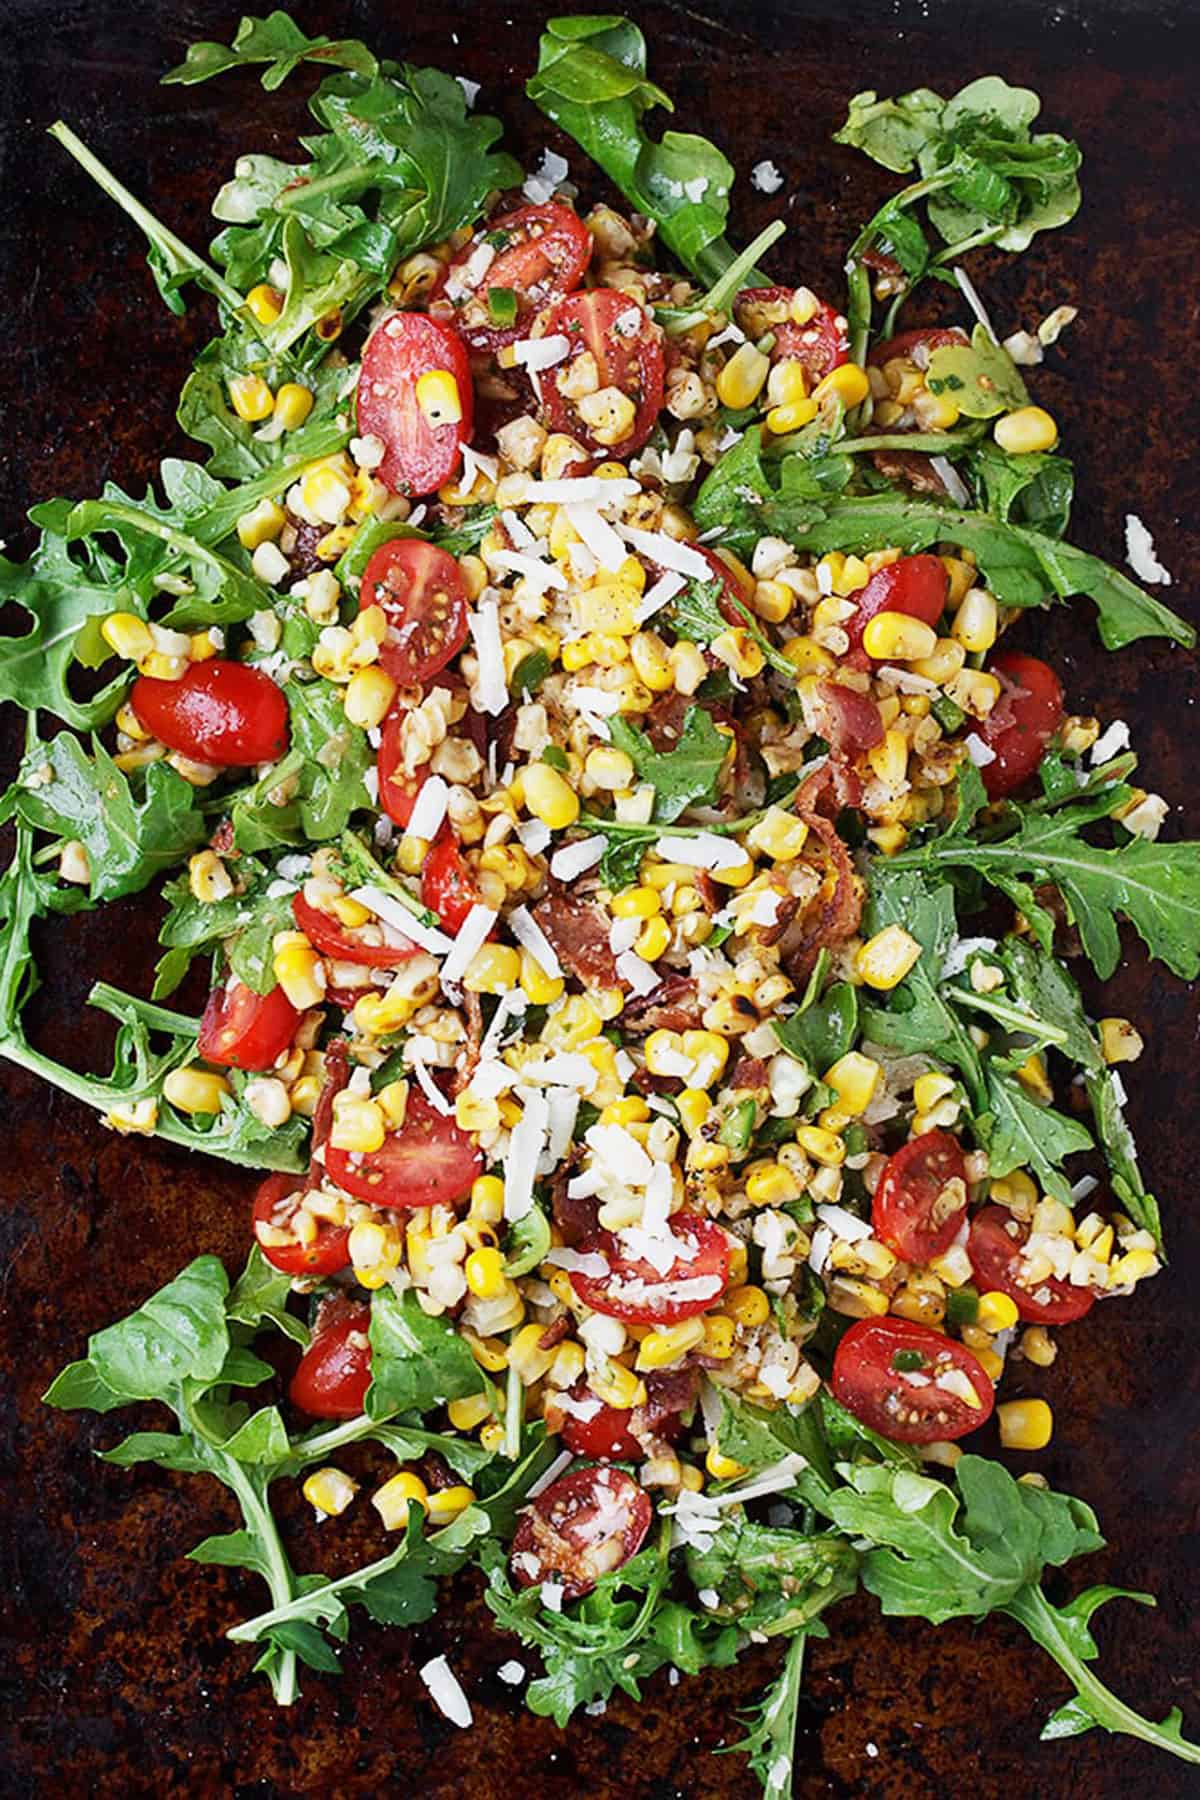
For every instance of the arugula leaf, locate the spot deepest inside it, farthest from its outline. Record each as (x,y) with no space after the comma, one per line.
(239,450)
(417,1361)
(526,1243)
(771,1579)
(770,1743)
(260,1295)
(277,41)
(822,1032)
(1023,1133)
(680,777)
(219,593)
(65,598)
(591,80)
(1035,489)
(245,923)
(696,613)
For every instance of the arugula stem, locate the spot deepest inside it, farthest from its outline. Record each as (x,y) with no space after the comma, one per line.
(261,1521)
(1014,1016)
(356,851)
(118,1004)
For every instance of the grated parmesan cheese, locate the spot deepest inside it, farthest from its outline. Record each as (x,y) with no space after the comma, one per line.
(485,633)
(766,177)
(1140,555)
(445,1690)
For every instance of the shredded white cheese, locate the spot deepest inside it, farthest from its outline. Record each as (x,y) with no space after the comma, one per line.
(981,754)
(766,177)
(429,808)
(1140,555)
(485,632)
(971,296)
(1107,745)
(531,937)
(576,859)
(524,1152)
(472,935)
(668,552)
(445,1690)
(395,914)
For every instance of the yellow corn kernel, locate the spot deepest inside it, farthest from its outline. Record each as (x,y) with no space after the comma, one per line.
(203,647)
(438,398)
(489,1353)
(128,635)
(719,1335)
(494,969)
(778,834)
(484,1270)
(962,576)
(446,1503)
(847,383)
(373,1242)
(1032,1075)
(368,697)
(741,380)
(609,415)
(991,1364)
(1038,1347)
(889,760)
(251,398)
(330,1491)
(487,1198)
(807,656)
(722,1468)
(548,797)
(609,769)
(703,1155)
(293,403)
(297,969)
(996,1312)
(492,1436)
(538,988)
(261,525)
(709,1052)
(822,1146)
(1025,1424)
(652,940)
(527,1357)
(787,382)
(1120,1040)
(885,959)
(738,650)
(208,878)
(668,1344)
(358,1123)
(792,416)
(736,875)
(693,1106)
(470,1411)
(192,1090)
(636,903)
(1133,1267)
(265,303)
(1028,429)
(854,1079)
(618,1386)
(929,1089)
(1017,1192)
(608,608)
(976,622)
(895,637)
(771,1184)
(857,1299)
(395,1498)
(773,601)
(568,1365)
(748,1307)
(652,661)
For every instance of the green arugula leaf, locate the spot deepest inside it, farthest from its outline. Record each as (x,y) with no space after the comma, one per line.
(178,1335)
(417,1362)
(680,777)
(770,1743)
(241,451)
(696,613)
(1023,1133)
(65,598)
(1035,489)
(277,41)
(218,592)
(526,1243)
(244,922)
(822,1032)
(771,1579)
(260,1296)
(917,1017)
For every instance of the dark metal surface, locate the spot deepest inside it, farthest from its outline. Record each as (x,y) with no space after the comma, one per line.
(118,1680)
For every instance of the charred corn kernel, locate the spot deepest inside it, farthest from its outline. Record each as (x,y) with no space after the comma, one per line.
(854,1079)
(723,1468)
(358,1123)
(807,656)
(470,1411)
(609,769)
(703,1155)
(335,543)
(396,1497)
(895,637)
(609,415)
(632,1110)
(1028,429)
(822,1146)
(1032,1075)
(773,601)
(128,635)
(265,303)
(128,722)
(693,1107)
(652,940)
(996,1312)
(830,1118)
(372,1242)
(1038,1347)
(297,969)
(1133,1267)
(251,398)
(1025,1424)
(737,649)
(492,1436)
(688,667)
(976,623)
(636,903)
(741,380)
(369,696)
(748,1307)
(494,969)
(133,1116)
(936,412)
(771,1184)
(261,525)
(708,1052)
(548,797)
(889,760)
(1120,1041)
(792,416)
(885,959)
(669,1344)
(438,398)
(929,1089)
(526,1356)
(857,1299)
(446,1503)
(847,383)
(330,1491)
(208,878)
(484,1270)
(293,403)
(652,661)
(192,1090)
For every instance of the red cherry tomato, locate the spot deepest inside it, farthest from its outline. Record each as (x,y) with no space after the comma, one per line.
(447,885)
(821,344)
(421,589)
(541,253)
(731,589)
(628,349)
(887,1371)
(635,1291)
(925,337)
(995,1253)
(1025,718)
(428,1162)
(581,1527)
(244,1030)
(916,585)
(326,1255)
(335,1371)
(915,1209)
(332,938)
(605,1435)
(397,792)
(420,454)
(217,712)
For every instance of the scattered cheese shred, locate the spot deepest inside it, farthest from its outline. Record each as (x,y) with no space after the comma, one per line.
(445,1690)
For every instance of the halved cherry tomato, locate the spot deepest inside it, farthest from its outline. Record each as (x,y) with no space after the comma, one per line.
(332,938)
(821,344)
(628,349)
(925,337)
(731,589)
(922,1196)
(447,885)
(605,1435)
(217,712)
(335,1371)
(421,589)
(995,1253)
(887,1373)
(244,1030)
(635,1291)
(541,253)
(581,1527)
(397,792)
(916,585)
(428,1162)
(420,454)
(328,1252)
(1025,718)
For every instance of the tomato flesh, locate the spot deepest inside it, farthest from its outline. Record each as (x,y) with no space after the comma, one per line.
(421,590)
(428,1162)
(925,337)
(915,585)
(886,1371)
(995,1255)
(420,454)
(331,938)
(218,712)
(922,1197)
(397,791)
(581,1527)
(820,344)
(447,885)
(546,250)
(334,1373)
(244,1030)
(633,1290)
(603,1434)
(326,1255)
(628,350)
(1025,718)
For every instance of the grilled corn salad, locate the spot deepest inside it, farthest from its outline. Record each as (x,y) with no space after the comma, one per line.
(576,711)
